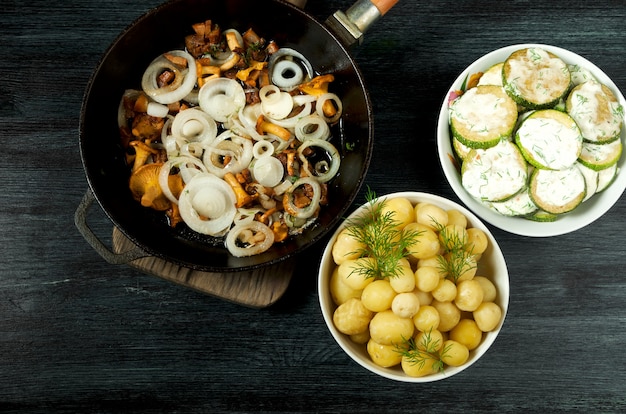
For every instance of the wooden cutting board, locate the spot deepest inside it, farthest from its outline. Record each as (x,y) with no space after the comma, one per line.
(258,288)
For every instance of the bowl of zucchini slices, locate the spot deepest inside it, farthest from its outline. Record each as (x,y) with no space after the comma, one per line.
(530,138)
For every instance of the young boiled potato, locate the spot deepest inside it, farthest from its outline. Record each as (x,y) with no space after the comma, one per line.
(467,333)
(477,241)
(465,265)
(346,247)
(487,316)
(457,218)
(489,289)
(427,278)
(455,353)
(387,328)
(431,340)
(426,241)
(451,235)
(402,211)
(361,338)
(405,304)
(404,281)
(445,291)
(432,216)
(426,318)
(469,295)
(449,315)
(413,368)
(378,295)
(383,355)
(339,291)
(352,274)
(352,317)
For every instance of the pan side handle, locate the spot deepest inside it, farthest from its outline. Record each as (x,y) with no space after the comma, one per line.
(80,220)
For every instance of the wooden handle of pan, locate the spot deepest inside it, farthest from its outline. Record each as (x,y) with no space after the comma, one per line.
(384,6)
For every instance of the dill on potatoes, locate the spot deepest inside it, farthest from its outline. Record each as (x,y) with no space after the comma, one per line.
(427,349)
(383,240)
(456,259)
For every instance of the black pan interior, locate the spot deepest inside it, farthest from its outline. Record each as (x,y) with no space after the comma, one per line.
(163,29)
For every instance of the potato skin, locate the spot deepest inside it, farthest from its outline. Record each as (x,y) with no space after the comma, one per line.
(352,317)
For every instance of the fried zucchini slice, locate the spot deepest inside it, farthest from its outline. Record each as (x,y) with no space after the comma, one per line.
(549,139)
(483,116)
(557,191)
(535,78)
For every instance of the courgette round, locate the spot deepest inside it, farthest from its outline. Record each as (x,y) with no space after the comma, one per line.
(483,116)
(557,191)
(596,110)
(535,78)
(494,174)
(600,156)
(549,139)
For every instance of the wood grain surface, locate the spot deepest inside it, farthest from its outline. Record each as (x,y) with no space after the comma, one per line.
(79,335)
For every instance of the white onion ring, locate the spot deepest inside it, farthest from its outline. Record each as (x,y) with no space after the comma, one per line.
(228,144)
(277,69)
(275,103)
(267,171)
(182,164)
(193,124)
(330,150)
(184,78)
(311,127)
(309,210)
(255,248)
(211,197)
(262,149)
(221,97)
(320,103)
(157,110)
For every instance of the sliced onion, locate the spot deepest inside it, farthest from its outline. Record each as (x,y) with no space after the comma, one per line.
(157,110)
(312,127)
(304,212)
(288,68)
(335,158)
(282,187)
(320,103)
(246,215)
(262,149)
(227,144)
(193,124)
(267,171)
(275,103)
(221,98)
(212,198)
(233,239)
(183,83)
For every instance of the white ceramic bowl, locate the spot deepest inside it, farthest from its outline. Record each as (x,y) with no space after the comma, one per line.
(584,214)
(492,265)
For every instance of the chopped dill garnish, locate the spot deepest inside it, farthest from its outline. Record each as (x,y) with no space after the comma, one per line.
(384,241)
(455,259)
(427,349)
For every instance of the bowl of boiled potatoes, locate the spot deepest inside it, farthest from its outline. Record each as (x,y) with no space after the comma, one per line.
(413,287)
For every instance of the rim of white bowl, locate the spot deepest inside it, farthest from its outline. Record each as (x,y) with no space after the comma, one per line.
(357,352)
(585,214)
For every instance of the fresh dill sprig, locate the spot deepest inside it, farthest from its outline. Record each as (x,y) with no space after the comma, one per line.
(456,259)
(382,239)
(428,349)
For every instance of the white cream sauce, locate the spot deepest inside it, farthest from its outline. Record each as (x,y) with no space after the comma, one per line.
(495,173)
(599,116)
(550,143)
(561,187)
(482,113)
(538,75)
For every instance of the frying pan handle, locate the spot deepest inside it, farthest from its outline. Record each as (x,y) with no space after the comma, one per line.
(80,220)
(351,25)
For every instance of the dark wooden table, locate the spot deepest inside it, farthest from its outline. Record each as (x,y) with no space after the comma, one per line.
(80,335)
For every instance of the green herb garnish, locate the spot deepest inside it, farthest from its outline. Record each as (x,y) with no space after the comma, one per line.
(456,259)
(427,349)
(384,241)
